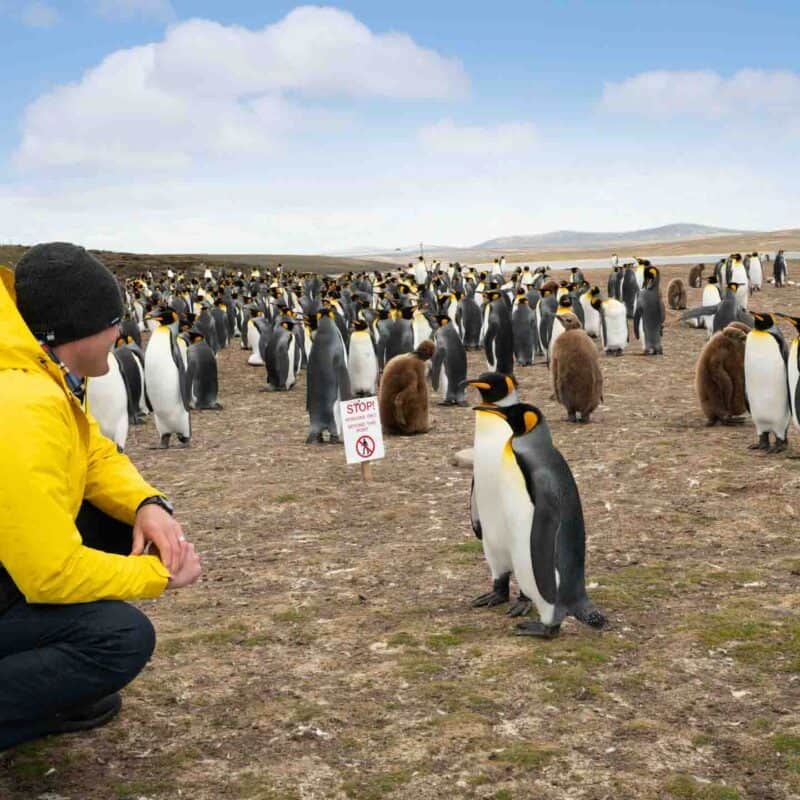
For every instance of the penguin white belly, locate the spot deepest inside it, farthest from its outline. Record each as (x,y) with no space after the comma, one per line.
(363,365)
(616,325)
(491,435)
(108,403)
(183,349)
(518,511)
(443,384)
(558,329)
(421,328)
(163,385)
(291,378)
(793,375)
(711,297)
(766,384)
(591,318)
(739,276)
(420,273)
(253,337)
(756,273)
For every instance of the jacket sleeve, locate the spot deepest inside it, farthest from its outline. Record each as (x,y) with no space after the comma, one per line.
(39,544)
(113,484)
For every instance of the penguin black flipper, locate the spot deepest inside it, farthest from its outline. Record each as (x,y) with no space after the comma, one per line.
(488,348)
(186,389)
(436,366)
(474,518)
(132,403)
(701,311)
(545,531)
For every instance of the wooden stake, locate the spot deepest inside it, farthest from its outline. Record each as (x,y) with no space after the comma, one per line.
(366,470)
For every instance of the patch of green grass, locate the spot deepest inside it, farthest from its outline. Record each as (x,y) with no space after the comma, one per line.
(503,794)
(752,638)
(286,498)
(134,789)
(35,759)
(701,740)
(687,788)
(524,754)
(402,639)
(470,546)
(414,666)
(788,746)
(251,786)
(294,615)
(234,632)
(375,787)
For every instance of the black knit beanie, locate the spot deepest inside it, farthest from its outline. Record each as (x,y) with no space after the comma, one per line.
(65,294)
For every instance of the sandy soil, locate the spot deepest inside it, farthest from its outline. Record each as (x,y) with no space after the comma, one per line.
(330,650)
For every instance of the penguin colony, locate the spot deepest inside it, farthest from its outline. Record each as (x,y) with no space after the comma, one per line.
(359,334)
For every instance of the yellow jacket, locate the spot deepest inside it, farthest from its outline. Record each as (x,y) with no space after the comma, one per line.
(52,456)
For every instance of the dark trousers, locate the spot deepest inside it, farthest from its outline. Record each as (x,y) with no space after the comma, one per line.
(58,658)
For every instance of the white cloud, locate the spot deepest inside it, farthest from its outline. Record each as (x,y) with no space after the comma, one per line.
(209,90)
(476,141)
(39,15)
(704,93)
(125,9)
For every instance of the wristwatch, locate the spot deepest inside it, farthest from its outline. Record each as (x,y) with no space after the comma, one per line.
(157,500)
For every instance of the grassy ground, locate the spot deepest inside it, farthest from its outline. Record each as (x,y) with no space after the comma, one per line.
(330,650)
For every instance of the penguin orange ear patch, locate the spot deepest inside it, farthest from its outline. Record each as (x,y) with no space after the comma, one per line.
(510,383)
(531,419)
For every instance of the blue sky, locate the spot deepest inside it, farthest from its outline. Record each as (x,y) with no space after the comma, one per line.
(165,126)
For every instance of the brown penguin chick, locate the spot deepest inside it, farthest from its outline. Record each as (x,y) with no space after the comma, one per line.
(676,294)
(696,276)
(719,376)
(577,377)
(403,395)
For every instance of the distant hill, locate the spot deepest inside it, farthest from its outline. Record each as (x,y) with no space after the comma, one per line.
(578,240)
(555,240)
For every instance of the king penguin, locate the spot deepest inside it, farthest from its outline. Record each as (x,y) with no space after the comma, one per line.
(648,320)
(766,383)
(537,506)
(166,380)
(328,381)
(488,525)
(449,363)
(202,373)
(362,361)
(498,338)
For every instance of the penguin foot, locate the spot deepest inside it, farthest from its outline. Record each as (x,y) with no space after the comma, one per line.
(334,439)
(315,438)
(538,629)
(761,444)
(522,606)
(712,422)
(778,447)
(184,440)
(490,599)
(164,443)
(733,421)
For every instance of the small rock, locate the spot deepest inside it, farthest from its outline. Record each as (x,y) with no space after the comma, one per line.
(463,458)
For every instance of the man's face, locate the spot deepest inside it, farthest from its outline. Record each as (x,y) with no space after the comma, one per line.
(88,357)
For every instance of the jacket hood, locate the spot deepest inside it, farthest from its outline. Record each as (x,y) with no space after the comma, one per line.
(18,346)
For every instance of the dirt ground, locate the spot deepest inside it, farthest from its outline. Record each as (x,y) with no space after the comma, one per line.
(331,651)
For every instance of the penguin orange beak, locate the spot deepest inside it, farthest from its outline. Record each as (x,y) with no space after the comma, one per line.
(479,385)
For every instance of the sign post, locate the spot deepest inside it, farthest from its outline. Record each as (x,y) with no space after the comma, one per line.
(362,433)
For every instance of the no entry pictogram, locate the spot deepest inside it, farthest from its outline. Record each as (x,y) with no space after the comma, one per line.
(365,446)
(361,430)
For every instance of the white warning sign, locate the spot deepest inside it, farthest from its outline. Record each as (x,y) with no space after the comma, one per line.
(361,430)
